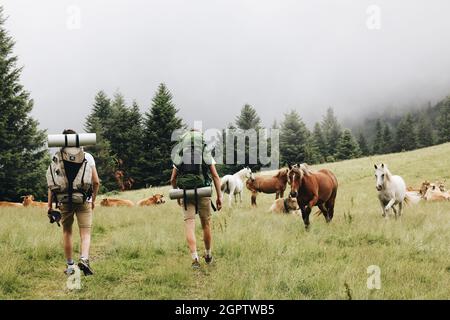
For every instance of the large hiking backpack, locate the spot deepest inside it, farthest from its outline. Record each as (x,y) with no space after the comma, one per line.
(69,176)
(193,172)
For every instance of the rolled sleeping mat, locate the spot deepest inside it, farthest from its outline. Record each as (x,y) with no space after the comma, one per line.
(190,194)
(72,140)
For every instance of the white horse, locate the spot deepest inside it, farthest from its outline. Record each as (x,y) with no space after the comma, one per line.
(391,190)
(233,185)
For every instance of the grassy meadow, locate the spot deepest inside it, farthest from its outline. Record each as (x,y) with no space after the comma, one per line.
(141,253)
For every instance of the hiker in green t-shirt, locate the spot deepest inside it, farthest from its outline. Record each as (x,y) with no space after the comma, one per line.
(194,167)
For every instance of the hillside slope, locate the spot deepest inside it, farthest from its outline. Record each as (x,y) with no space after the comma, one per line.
(140,253)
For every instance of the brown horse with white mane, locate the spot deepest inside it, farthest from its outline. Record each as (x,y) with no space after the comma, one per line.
(313,189)
(275,184)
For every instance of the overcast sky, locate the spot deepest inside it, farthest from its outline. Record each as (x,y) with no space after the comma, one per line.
(215,56)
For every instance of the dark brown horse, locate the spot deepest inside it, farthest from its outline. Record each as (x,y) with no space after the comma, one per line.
(313,189)
(275,184)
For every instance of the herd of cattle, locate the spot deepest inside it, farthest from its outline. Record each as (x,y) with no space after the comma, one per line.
(432,191)
(28,201)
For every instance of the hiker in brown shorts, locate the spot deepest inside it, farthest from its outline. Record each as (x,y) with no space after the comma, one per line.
(81,203)
(206,172)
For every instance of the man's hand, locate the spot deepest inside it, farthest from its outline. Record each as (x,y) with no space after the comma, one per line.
(219,203)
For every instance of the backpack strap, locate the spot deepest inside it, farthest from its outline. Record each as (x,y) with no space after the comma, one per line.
(213,206)
(184,200)
(196,200)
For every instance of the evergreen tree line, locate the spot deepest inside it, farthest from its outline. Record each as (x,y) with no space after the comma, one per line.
(134,144)
(413,130)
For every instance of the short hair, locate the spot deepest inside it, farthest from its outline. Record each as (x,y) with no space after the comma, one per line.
(69,131)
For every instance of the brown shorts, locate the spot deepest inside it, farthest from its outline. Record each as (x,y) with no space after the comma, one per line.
(204,209)
(82,211)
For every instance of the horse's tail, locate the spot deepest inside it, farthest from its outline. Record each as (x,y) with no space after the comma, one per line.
(411,198)
(318,213)
(225,187)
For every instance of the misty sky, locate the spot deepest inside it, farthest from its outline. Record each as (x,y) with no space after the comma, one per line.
(215,56)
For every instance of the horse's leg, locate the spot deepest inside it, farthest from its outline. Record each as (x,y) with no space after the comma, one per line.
(324,212)
(307,210)
(389,205)
(254,199)
(330,205)
(395,211)
(277,195)
(230,195)
(240,196)
(400,208)
(305,215)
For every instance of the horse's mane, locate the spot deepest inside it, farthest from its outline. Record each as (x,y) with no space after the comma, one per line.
(305,168)
(387,173)
(298,170)
(281,172)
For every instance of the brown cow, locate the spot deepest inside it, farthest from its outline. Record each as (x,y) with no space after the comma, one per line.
(434,193)
(110,202)
(10,204)
(28,201)
(155,199)
(284,205)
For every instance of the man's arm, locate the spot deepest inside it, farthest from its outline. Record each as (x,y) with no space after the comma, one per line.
(50,199)
(173,178)
(95,185)
(216,179)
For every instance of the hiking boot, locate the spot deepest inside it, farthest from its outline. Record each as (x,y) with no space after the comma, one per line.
(208,259)
(195,264)
(70,270)
(85,267)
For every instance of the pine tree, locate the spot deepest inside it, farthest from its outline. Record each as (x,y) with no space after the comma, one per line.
(332,131)
(425,136)
(320,142)
(248,119)
(388,141)
(406,134)
(135,136)
(347,147)
(104,159)
(23,156)
(294,138)
(378,142)
(444,121)
(101,113)
(159,123)
(363,146)
(312,152)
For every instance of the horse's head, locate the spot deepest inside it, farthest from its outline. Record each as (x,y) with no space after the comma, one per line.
(381,173)
(295,177)
(247,172)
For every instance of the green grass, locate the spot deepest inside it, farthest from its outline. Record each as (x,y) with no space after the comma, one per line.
(140,253)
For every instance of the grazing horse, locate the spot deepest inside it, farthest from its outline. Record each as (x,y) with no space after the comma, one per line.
(391,190)
(313,189)
(233,185)
(275,184)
